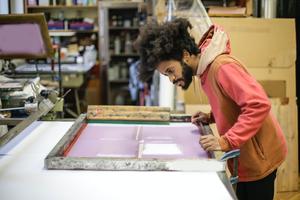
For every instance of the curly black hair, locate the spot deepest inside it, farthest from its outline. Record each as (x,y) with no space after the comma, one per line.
(157,43)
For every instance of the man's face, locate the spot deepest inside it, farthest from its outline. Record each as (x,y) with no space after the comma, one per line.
(178,72)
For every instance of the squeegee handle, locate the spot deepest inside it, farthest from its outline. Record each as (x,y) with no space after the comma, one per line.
(205,129)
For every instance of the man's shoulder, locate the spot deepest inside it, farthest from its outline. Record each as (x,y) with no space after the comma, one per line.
(225,59)
(226,63)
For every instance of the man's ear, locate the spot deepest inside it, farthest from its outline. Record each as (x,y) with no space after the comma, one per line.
(186,56)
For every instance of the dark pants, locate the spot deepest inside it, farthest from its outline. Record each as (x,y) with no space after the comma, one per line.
(262,189)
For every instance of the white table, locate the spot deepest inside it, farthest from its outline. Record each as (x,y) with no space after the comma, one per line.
(23,176)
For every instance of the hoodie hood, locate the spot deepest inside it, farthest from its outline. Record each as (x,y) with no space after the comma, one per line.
(213,43)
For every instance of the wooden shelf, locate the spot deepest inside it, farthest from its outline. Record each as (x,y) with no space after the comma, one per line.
(61,7)
(127,10)
(227,11)
(76,31)
(69,32)
(123,28)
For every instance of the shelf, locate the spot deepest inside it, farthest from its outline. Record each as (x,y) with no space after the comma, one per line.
(69,32)
(125,55)
(227,12)
(120,81)
(125,11)
(123,28)
(61,7)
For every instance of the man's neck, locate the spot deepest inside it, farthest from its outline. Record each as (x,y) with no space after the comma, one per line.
(195,62)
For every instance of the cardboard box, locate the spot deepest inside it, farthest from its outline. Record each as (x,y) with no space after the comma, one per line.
(267,47)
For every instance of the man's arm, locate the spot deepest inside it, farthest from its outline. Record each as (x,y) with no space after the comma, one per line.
(254,104)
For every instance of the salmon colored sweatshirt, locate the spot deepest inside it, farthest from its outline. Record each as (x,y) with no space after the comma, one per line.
(242,114)
(241,110)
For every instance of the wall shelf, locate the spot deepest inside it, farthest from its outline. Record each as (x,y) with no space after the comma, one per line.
(61,7)
(124,28)
(67,27)
(119,24)
(77,31)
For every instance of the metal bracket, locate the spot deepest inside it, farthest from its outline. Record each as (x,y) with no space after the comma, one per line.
(234,154)
(230,154)
(44,107)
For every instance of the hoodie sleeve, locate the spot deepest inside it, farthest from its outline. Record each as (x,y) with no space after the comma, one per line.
(249,95)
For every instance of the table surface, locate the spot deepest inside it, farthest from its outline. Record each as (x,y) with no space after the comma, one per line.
(23,176)
(46,68)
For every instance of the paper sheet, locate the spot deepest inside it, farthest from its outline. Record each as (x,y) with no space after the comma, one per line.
(161,149)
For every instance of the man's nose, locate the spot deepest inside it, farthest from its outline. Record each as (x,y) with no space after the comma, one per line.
(172,78)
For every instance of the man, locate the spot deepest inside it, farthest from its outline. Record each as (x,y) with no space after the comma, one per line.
(240,107)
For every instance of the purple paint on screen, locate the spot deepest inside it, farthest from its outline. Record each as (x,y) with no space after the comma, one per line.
(161,141)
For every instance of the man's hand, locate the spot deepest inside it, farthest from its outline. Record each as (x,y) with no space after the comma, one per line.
(200,117)
(209,143)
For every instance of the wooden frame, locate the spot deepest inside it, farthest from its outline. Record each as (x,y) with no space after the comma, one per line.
(57,160)
(25,19)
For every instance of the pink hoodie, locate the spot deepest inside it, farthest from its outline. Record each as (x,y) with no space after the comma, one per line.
(246,94)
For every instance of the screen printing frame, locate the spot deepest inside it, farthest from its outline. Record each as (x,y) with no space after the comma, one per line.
(36,18)
(57,160)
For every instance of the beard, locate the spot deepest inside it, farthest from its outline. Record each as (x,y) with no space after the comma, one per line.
(187,76)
